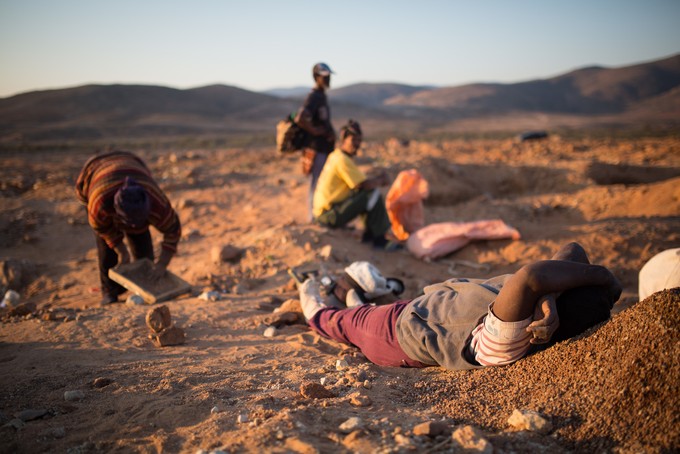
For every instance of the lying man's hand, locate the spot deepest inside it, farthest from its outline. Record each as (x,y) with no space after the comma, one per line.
(546,321)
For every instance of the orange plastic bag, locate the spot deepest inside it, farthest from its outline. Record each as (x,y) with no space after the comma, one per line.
(404,203)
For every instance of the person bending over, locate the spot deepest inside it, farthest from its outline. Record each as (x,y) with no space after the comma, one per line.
(344,192)
(471,323)
(122,200)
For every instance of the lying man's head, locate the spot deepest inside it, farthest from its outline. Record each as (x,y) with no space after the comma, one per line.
(581,308)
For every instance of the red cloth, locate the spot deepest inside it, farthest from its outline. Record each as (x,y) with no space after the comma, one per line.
(404,203)
(438,240)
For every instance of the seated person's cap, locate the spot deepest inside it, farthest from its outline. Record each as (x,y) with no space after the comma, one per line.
(322,69)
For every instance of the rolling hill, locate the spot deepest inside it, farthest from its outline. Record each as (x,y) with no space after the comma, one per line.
(646,92)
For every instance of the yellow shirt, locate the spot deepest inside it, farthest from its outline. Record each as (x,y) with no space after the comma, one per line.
(339,177)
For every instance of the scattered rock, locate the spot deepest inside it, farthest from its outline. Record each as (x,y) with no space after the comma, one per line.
(172,335)
(55,432)
(72,396)
(242,418)
(212,295)
(351,424)
(284,318)
(290,305)
(326,251)
(17,423)
(22,310)
(472,440)
(316,391)
(228,253)
(403,440)
(101,382)
(134,300)
(30,414)
(158,318)
(367,384)
(431,428)
(11,299)
(270,331)
(341,364)
(294,444)
(529,420)
(214,410)
(359,400)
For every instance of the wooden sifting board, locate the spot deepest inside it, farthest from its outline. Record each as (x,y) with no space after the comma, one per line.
(134,276)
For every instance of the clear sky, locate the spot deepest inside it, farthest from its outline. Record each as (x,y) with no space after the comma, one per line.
(262,44)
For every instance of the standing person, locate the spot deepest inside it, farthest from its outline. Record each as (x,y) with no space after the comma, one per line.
(344,192)
(315,118)
(122,200)
(471,323)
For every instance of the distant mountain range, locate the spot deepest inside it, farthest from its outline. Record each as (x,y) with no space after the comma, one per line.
(642,94)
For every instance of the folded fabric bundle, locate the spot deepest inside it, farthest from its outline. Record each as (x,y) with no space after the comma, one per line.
(438,240)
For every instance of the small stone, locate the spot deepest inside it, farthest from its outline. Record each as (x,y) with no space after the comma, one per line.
(210,296)
(270,331)
(214,410)
(22,310)
(529,420)
(242,418)
(55,432)
(74,395)
(316,391)
(323,380)
(158,318)
(30,414)
(17,423)
(326,251)
(430,428)
(351,424)
(402,440)
(172,335)
(11,299)
(362,375)
(101,382)
(341,364)
(359,400)
(226,253)
(367,384)
(134,300)
(472,440)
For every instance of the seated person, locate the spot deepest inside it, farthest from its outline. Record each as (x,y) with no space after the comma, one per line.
(471,323)
(344,192)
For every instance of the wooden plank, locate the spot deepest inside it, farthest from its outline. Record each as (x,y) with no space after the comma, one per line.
(134,276)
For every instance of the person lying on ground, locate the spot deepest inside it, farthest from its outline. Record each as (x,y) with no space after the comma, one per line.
(122,200)
(344,192)
(471,323)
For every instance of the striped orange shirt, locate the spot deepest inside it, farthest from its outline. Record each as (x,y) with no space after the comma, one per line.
(99,181)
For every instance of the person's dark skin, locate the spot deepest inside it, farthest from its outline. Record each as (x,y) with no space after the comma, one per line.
(304,119)
(350,145)
(534,288)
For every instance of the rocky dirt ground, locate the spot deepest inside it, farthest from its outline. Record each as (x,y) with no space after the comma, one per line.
(80,378)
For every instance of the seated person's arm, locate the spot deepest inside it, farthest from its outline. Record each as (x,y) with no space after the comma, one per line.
(375,182)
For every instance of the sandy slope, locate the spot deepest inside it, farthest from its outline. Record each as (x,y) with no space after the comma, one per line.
(620,199)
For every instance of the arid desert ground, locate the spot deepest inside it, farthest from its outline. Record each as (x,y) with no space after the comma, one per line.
(230,388)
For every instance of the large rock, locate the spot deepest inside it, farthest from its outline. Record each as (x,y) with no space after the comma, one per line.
(472,440)
(158,318)
(529,420)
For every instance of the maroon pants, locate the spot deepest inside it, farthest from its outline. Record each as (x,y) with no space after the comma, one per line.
(372,329)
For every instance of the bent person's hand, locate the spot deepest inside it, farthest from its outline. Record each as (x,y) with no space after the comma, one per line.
(157,272)
(123,254)
(546,321)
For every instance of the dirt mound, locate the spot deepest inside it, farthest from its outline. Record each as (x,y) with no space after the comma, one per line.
(616,386)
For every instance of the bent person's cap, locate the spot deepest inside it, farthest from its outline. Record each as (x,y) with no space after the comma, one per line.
(322,69)
(132,203)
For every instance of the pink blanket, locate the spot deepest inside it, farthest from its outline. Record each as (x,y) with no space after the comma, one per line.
(438,240)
